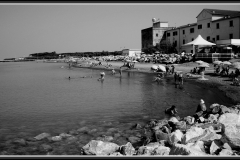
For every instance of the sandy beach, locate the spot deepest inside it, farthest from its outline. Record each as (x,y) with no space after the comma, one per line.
(222,83)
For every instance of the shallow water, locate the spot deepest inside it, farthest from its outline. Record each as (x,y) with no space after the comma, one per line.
(39,97)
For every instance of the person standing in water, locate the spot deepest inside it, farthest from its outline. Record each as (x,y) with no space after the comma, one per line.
(120,71)
(113,71)
(102,74)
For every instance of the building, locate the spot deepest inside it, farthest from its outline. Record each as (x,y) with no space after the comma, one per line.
(153,35)
(131,52)
(212,24)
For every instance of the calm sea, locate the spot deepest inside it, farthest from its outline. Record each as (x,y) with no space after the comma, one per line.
(39,97)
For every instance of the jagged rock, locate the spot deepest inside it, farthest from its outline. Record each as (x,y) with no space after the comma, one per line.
(92,131)
(127,149)
(83,130)
(165,129)
(159,135)
(224,109)
(199,145)
(193,132)
(134,139)
(21,142)
(136,126)
(176,136)
(95,147)
(226,146)
(225,152)
(181,125)
(213,118)
(154,145)
(73,132)
(180,149)
(56,138)
(231,135)
(64,135)
(189,119)
(143,150)
(229,118)
(215,146)
(45,148)
(116,154)
(42,136)
(105,138)
(173,119)
(161,150)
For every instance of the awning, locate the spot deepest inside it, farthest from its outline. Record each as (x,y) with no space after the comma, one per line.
(199,41)
(235,42)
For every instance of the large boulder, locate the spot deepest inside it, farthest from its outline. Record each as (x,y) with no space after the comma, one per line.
(226,152)
(134,139)
(213,118)
(159,135)
(231,135)
(229,118)
(199,145)
(127,149)
(42,136)
(191,133)
(180,149)
(100,148)
(176,136)
(143,150)
(56,138)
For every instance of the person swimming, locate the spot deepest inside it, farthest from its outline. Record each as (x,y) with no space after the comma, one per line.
(102,74)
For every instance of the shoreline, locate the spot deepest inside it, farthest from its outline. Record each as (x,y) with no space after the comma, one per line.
(221,83)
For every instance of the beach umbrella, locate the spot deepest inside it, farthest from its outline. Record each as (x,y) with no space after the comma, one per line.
(204,65)
(199,61)
(154,67)
(217,62)
(226,63)
(161,67)
(235,65)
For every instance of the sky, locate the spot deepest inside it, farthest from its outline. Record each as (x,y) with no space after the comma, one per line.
(27,28)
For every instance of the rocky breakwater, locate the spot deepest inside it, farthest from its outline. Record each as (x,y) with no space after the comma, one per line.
(218,134)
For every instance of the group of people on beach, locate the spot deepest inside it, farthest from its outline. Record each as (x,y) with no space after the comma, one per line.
(200,114)
(178,79)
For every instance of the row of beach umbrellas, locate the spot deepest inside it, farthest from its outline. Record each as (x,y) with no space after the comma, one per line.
(233,65)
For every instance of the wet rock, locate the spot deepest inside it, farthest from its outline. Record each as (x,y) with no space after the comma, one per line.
(224,109)
(112,130)
(45,148)
(191,133)
(161,150)
(153,145)
(180,149)
(127,149)
(83,130)
(105,138)
(73,132)
(136,126)
(176,136)
(100,148)
(65,135)
(215,146)
(21,142)
(225,152)
(56,138)
(42,136)
(231,136)
(173,119)
(134,139)
(189,119)
(199,145)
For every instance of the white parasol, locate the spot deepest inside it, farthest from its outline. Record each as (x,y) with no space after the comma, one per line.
(226,63)
(217,62)
(200,62)
(161,67)
(205,65)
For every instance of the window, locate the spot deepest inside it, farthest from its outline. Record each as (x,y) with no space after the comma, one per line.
(208,38)
(213,39)
(231,36)
(184,41)
(217,37)
(168,34)
(231,23)
(192,39)
(191,30)
(208,25)
(175,33)
(200,26)
(217,25)
(183,31)
(156,35)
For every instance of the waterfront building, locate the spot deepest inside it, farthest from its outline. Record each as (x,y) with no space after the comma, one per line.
(216,26)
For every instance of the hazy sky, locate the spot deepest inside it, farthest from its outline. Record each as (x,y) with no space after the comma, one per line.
(32,28)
